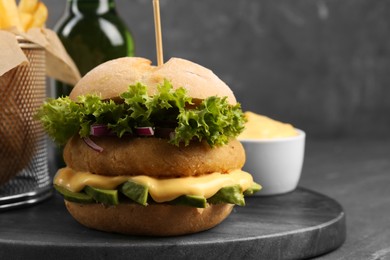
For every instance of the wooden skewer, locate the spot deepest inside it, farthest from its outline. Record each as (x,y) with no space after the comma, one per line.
(157,27)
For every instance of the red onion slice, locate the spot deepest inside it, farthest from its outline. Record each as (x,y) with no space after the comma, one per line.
(92,144)
(144,131)
(162,132)
(99,130)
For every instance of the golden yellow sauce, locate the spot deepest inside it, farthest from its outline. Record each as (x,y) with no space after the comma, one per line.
(161,190)
(262,127)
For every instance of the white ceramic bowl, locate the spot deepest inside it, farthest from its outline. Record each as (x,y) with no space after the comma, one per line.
(275,164)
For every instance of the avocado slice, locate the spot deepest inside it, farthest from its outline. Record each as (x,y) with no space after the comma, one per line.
(190,200)
(137,192)
(253,189)
(109,197)
(78,197)
(229,194)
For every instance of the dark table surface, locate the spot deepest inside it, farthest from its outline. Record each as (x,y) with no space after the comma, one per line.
(356,173)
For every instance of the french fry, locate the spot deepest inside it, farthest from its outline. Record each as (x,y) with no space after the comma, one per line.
(39,16)
(26,19)
(9,14)
(28,6)
(26,15)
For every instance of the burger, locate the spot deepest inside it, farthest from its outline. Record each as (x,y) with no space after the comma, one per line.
(149,150)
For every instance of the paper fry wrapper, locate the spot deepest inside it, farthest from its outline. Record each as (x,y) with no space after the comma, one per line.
(59,65)
(22,91)
(25,60)
(11,54)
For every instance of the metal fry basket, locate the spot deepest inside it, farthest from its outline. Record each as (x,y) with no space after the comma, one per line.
(24,174)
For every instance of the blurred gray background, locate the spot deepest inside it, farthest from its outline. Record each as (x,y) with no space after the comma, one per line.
(321,65)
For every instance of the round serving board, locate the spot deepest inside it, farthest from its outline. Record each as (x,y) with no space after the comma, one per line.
(300,224)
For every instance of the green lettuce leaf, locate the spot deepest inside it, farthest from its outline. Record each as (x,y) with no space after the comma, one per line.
(213,120)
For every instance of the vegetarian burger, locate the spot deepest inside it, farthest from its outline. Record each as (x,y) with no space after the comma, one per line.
(149,150)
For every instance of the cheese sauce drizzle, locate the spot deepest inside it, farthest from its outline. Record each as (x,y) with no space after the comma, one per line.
(161,190)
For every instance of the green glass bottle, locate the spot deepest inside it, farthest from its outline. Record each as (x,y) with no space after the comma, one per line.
(92,33)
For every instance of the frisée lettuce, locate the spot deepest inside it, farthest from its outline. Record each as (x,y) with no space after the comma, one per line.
(213,120)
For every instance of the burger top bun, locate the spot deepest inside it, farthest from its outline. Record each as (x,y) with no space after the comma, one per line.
(112,78)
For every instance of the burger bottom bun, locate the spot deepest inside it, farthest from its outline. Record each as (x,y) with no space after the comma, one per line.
(152,157)
(152,220)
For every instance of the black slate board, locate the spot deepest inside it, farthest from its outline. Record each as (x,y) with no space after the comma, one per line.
(299,224)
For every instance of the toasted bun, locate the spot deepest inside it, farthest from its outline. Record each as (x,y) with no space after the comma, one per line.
(152,157)
(152,220)
(112,78)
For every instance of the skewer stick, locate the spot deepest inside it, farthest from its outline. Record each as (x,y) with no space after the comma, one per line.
(157,27)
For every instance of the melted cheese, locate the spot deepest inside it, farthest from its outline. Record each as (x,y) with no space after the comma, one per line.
(161,190)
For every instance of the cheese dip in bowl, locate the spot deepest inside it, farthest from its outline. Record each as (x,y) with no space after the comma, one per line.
(274,153)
